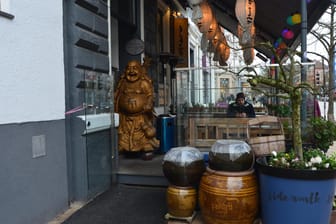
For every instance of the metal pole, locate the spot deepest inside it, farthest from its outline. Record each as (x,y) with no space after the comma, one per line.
(303,60)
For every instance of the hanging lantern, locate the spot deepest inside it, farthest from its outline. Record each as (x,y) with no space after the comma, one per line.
(207,17)
(196,13)
(193,3)
(246,36)
(223,51)
(287,34)
(296,18)
(245,12)
(248,55)
(219,37)
(212,29)
(289,20)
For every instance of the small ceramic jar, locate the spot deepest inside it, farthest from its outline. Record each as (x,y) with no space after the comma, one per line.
(183,166)
(231,155)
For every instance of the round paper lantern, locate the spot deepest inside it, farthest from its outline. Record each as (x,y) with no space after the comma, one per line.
(246,36)
(219,37)
(196,13)
(287,34)
(193,3)
(289,20)
(212,29)
(245,12)
(248,55)
(296,18)
(207,17)
(224,51)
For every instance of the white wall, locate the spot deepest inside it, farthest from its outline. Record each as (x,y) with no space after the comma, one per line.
(31,62)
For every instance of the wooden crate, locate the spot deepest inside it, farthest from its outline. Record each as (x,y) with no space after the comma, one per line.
(265,134)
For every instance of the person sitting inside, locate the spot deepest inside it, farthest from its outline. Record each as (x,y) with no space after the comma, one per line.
(240,108)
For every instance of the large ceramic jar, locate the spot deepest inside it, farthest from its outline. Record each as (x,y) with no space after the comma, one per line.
(231,155)
(228,197)
(183,166)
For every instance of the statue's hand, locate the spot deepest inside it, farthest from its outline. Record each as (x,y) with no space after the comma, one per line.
(132,103)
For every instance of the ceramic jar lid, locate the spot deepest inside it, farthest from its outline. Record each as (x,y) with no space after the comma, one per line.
(231,155)
(183,155)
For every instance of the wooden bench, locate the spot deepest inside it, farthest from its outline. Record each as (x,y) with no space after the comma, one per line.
(262,133)
(203,132)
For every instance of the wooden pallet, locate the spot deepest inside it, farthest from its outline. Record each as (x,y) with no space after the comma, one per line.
(184,219)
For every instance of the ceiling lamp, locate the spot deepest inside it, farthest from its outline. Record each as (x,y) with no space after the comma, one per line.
(207,18)
(245,12)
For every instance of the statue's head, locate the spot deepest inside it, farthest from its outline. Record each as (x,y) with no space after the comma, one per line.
(133,71)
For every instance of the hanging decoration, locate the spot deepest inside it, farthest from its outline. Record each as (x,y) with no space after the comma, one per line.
(294,19)
(212,35)
(207,18)
(287,34)
(218,38)
(212,29)
(245,13)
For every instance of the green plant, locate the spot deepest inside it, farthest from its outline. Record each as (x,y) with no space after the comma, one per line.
(280,110)
(322,132)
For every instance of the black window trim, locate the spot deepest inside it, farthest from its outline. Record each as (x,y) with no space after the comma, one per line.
(6,15)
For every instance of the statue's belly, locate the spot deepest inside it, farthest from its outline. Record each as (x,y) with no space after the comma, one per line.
(132,103)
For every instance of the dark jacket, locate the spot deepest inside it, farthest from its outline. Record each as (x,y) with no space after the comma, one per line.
(235,108)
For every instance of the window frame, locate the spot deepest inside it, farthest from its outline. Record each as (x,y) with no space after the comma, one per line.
(5,12)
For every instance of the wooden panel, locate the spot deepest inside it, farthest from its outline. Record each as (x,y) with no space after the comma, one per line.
(265,134)
(203,132)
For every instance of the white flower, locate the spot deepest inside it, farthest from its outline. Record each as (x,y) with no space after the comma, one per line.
(283,160)
(274,153)
(314,168)
(316,159)
(326,165)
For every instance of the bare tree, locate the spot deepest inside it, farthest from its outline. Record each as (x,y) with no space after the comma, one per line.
(324,33)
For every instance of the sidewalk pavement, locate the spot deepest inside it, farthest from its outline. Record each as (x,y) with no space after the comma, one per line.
(125,204)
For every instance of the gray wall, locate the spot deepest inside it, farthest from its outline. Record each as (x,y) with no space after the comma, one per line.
(33,190)
(86,51)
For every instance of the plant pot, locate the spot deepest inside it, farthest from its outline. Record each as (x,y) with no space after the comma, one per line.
(333,217)
(295,196)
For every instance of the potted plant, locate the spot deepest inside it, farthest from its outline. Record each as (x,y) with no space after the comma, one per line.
(299,188)
(333,212)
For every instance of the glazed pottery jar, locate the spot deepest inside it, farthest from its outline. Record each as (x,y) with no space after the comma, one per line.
(228,197)
(183,166)
(231,155)
(181,201)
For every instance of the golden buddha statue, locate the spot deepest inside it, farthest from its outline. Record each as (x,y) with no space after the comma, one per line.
(134,102)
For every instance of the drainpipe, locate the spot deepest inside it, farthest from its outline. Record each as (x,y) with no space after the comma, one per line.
(304,29)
